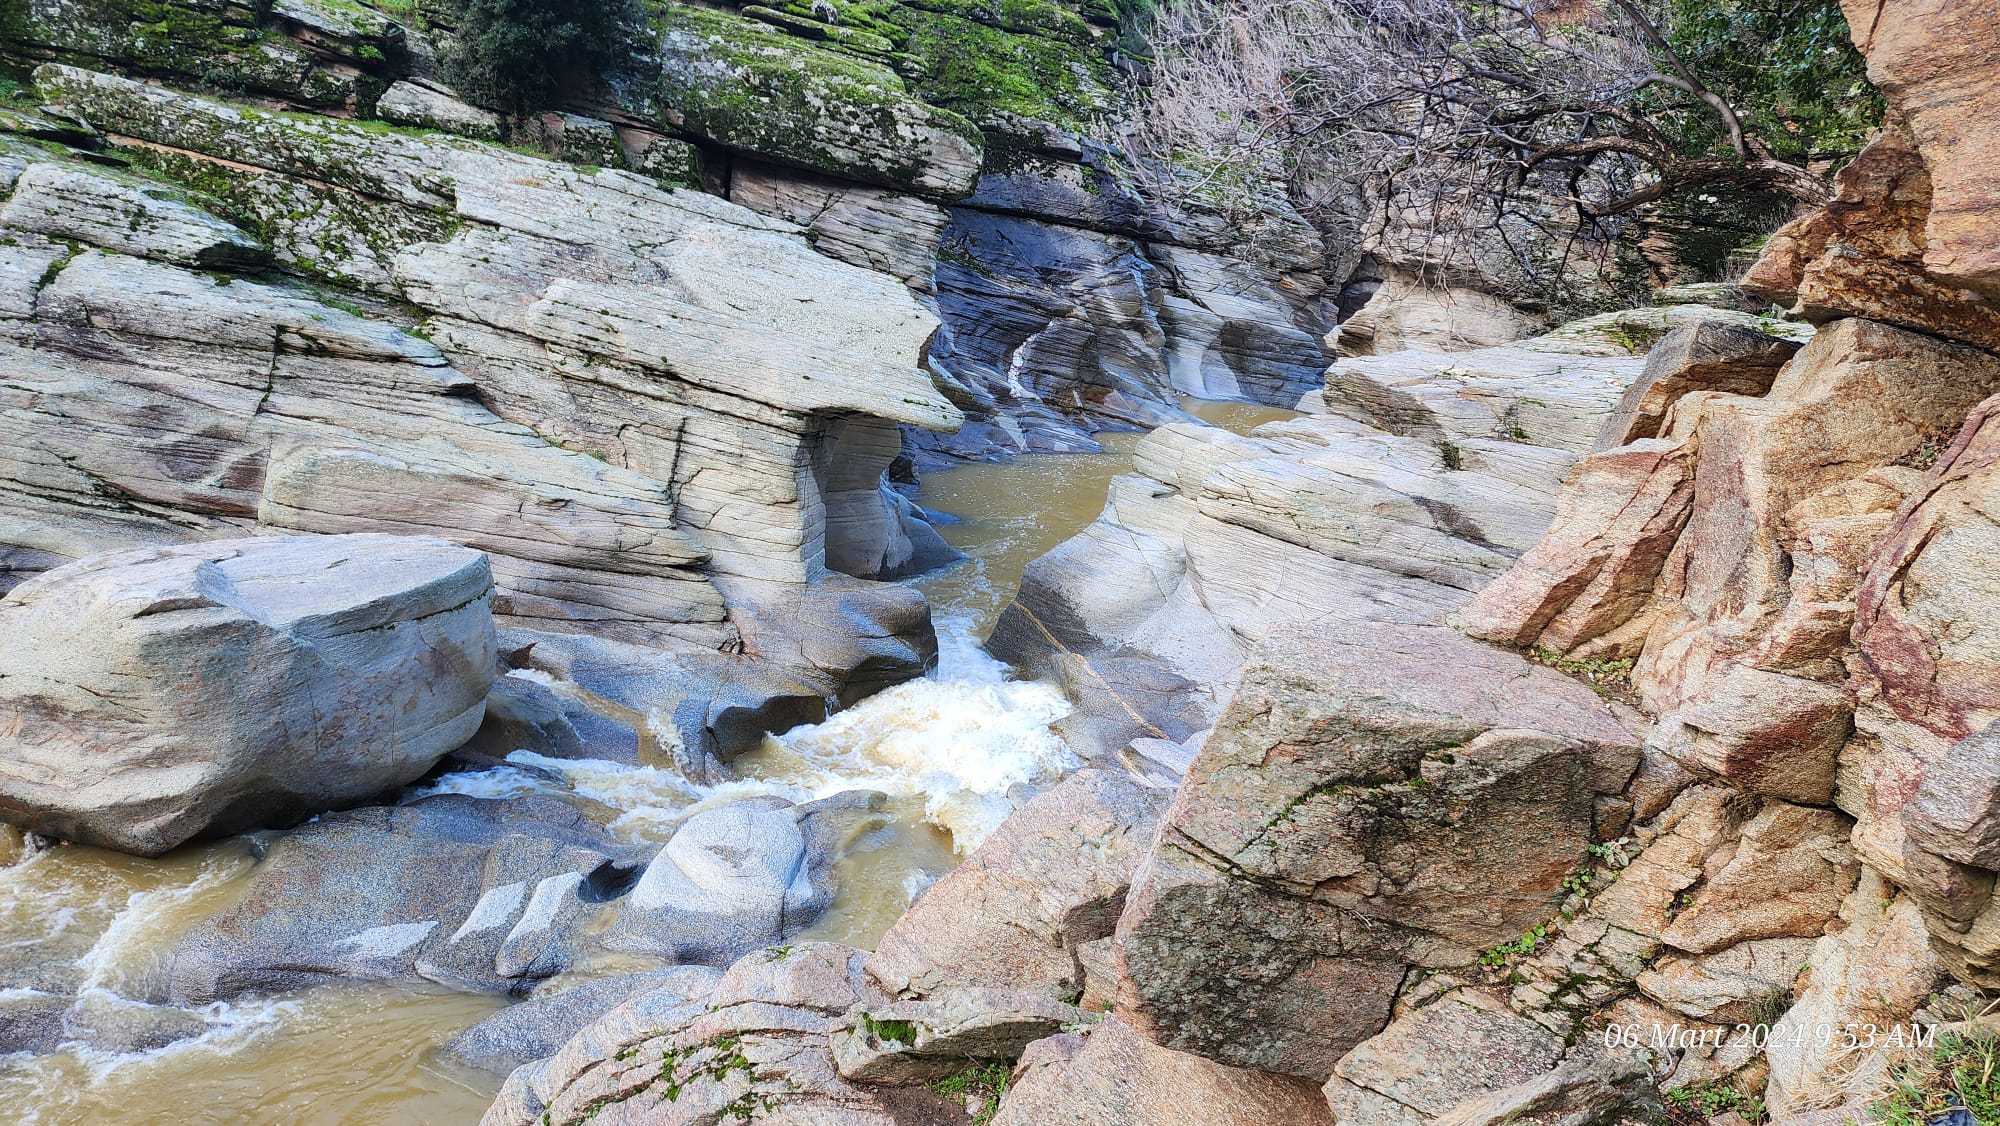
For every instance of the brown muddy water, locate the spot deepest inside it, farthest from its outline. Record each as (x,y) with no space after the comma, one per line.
(945,749)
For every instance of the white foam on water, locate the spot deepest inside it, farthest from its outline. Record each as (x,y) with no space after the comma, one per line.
(961,739)
(133,937)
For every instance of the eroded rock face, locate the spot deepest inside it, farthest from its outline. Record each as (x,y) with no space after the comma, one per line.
(1928,688)
(655,410)
(1932,61)
(1425,476)
(1375,796)
(153,696)
(1865,253)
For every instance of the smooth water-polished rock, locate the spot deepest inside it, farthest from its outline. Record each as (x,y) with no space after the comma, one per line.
(152,696)
(479,894)
(739,877)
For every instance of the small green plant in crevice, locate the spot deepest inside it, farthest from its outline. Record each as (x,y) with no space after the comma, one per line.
(1605,676)
(988,1081)
(1698,1102)
(1497,956)
(888,1031)
(1926,453)
(1959,1071)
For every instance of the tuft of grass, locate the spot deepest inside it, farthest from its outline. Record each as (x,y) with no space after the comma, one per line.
(1699,1102)
(987,1080)
(1605,677)
(1960,1072)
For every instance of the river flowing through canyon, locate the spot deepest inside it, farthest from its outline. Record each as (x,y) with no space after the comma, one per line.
(947,750)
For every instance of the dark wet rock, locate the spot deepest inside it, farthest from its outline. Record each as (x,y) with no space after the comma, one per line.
(111,1023)
(476,893)
(31,1021)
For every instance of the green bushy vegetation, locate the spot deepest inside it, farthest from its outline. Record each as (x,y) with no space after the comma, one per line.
(516,54)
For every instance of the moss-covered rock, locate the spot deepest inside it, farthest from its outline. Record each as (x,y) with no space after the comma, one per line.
(984,71)
(744,84)
(311,52)
(990,60)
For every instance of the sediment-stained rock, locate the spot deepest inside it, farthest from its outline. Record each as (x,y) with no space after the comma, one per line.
(156,695)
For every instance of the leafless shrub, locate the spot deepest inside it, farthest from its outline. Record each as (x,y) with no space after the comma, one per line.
(1464,134)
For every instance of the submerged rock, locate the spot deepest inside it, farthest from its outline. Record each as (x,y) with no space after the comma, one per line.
(158,695)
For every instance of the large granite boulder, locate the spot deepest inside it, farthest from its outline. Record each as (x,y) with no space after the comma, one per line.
(1376,796)
(1111,1076)
(157,695)
(1017,913)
